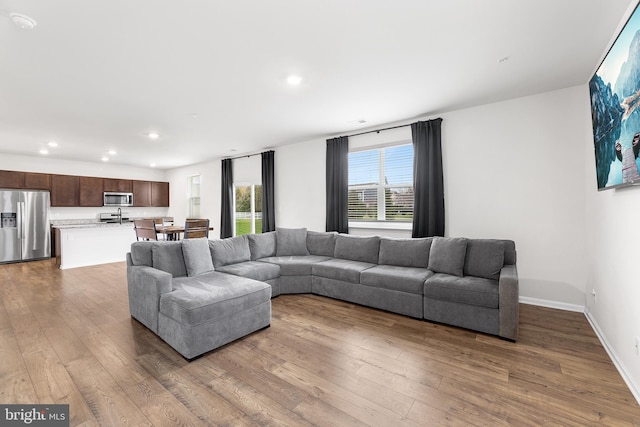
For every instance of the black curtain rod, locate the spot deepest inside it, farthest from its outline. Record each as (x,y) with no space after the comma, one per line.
(377,130)
(246,155)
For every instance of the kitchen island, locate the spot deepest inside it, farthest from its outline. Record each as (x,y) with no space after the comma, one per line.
(86,243)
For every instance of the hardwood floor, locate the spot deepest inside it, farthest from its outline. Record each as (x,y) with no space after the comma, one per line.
(67,337)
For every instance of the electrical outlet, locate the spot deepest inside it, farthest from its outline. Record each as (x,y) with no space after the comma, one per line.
(637,346)
(595,295)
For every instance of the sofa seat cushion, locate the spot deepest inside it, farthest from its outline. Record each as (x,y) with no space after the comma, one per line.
(395,278)
(255,270)
(465,290)
(295,265)
(199,299)
(341,269)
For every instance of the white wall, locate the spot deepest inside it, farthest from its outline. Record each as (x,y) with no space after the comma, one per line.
(210,173)
(613,233)
(300,185)
(69,167)
(513,170)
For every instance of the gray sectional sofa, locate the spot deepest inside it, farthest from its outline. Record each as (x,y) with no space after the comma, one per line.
(199,294)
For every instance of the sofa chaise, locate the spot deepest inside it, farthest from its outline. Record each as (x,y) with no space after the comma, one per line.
(200,294)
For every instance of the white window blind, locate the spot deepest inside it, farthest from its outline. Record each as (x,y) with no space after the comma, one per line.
(381,184)
(193,189)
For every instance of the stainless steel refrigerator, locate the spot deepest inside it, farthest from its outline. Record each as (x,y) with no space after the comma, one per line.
(25,233)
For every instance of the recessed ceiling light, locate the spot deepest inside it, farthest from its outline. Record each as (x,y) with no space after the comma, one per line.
(105,159)
(112,152)
(23,21)
(153,165)
(43,151)
(153,135)
(294,80)
(52,144)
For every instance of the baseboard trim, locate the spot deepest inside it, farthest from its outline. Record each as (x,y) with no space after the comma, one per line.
(552,304)
(628,379)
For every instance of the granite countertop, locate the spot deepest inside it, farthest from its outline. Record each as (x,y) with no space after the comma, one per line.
(87,223)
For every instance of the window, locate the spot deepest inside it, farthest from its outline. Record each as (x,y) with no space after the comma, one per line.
(381,184)
(247,209)
(193,199)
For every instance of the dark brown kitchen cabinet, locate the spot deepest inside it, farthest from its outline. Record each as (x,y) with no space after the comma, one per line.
(160,194)
(37,181)
(65,190)
(117,185)
(91,191)
(11,179)
(141,193)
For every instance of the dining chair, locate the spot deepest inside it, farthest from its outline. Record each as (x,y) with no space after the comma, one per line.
(194,228)
(145,229)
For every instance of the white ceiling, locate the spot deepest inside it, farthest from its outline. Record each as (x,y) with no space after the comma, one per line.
(100,75)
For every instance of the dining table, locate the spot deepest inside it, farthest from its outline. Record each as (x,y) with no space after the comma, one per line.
(172,232)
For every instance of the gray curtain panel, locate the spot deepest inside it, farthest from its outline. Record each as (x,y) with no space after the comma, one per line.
(428,185)
(226,216)
(337,184)
(268,197)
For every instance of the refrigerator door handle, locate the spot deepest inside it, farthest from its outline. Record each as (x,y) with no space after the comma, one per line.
(20,218)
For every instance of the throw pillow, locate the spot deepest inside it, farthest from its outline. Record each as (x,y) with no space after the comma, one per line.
(485,258)
(232,250)
(262,245)
(357,248)
(291,241)
(197,257)
(321,242)
(405,252)
(447,255)
(167,256)
(141,253)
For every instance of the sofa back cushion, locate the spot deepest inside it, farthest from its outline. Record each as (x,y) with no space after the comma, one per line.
(484,258)
(447,255)
(167,256)
(405,252)
(357,248)
(262,245)
(141,253)
(321,243)
(291,241)
(197,257)
(230,251)
(510,257)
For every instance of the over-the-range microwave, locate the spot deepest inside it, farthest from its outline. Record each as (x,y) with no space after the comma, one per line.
(118,199)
